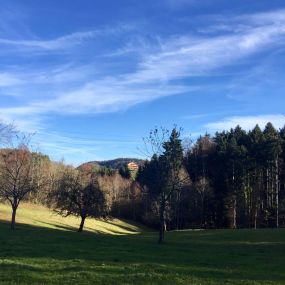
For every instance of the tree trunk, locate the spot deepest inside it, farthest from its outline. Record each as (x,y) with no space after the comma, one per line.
(235,213)
(162,221)
(272,188)
(277,194)
(255,217)
(81,224)
(234,222)
(267,187)
(277,209)
(13,221)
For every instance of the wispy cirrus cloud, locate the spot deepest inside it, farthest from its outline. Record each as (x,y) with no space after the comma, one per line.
(186,56)
(93,98)
(246,122)
(10,79)
(54,77)
(238,23)
(152,75)
(80,148)
(66,41)
(58,43)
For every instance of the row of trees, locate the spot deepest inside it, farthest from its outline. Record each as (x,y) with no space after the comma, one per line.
(240,177)
(233,179)
(27,175)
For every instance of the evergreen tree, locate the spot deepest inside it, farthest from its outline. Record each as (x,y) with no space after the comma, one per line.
(162,176)
(272,151)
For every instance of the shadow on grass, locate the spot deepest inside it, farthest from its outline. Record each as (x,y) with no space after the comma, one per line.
(121,229)
(58,226)
(186,256)
(131,229)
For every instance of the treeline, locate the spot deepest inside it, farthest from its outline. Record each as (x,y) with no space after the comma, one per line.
(86,191)
(234,179)
(238,178)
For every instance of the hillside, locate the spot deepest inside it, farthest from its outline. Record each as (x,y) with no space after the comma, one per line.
(114,163)
(39,216)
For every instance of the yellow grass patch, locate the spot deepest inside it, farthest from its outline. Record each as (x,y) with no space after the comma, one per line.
(41,216)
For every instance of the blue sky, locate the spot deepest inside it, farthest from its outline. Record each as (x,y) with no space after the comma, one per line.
(91,78)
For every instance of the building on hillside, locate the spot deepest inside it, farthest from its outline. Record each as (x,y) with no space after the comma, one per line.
(132,166)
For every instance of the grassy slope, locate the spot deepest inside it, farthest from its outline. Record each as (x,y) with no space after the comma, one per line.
(40,216)
(45,251)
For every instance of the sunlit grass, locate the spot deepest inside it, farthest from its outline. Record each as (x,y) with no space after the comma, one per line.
(45,249)
(37,215)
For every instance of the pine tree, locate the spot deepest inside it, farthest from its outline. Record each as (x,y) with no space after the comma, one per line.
(162,175)
(272,151)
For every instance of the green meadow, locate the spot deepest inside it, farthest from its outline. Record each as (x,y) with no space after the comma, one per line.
(46,249)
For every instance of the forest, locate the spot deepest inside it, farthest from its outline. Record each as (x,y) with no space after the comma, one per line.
(233,179)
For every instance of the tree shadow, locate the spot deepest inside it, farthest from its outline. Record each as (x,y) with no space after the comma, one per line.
(40,252)
(125,227)
(59,226)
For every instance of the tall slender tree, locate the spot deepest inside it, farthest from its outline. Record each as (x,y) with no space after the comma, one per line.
(162,174)
(272,151)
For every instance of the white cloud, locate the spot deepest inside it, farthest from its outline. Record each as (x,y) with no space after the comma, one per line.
(81,149)
(100,97)
(58,43)
(158,69)
(186,56)
(24,118)
(153,74)
(7,79)
(269,17)
(179,58)
(65,41)
(241,23)
(246,122)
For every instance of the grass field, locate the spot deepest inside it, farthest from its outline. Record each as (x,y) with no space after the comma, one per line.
(44,249)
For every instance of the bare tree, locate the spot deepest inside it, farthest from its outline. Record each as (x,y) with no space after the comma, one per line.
(163,175)
(7,131)
(19,175)
(78,193)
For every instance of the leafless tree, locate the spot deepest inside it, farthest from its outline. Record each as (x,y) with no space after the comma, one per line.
(20,174)
(7,131)
(78,193)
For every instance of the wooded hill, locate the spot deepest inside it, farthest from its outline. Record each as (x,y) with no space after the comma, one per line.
(113,163)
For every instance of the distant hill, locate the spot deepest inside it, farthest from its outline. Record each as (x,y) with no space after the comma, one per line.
(113,163)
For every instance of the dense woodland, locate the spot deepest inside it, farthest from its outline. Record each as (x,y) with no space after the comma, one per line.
(238,179)
(234,179)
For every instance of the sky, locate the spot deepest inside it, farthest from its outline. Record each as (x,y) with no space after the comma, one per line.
(89,79)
